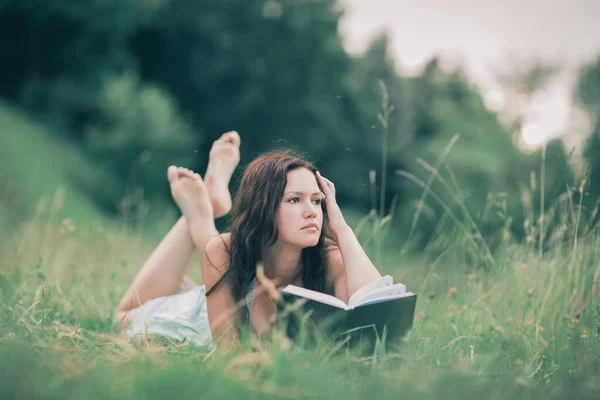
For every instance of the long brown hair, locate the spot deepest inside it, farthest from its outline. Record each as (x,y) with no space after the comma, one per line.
(253,227)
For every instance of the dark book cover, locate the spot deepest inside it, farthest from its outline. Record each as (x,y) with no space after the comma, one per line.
(306,320)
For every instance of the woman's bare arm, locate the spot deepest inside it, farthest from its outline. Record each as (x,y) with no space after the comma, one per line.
(220,305)
(162,273)
(337,272)
(358,270)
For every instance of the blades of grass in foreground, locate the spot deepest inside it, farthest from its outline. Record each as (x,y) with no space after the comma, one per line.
(427,186)
(531,332)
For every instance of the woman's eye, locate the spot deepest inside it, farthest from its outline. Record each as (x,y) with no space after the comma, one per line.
(294,200)
(317,201)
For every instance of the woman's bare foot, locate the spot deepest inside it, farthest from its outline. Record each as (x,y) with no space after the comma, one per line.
(223,158)
(190,194)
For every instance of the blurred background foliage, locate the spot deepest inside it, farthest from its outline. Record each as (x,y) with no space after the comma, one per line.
(100,97)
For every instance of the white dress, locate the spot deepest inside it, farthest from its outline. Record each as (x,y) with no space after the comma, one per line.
(182,317)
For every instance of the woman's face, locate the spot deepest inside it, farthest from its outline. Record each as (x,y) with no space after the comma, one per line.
(300,216)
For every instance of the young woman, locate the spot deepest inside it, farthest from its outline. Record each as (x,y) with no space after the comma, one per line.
(285,218)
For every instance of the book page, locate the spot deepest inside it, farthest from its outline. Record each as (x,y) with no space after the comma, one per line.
(381,294)
(382,282)
(316,296)
(397,296)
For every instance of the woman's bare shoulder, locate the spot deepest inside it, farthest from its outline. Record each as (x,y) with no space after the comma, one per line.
(216,252)
(220,242)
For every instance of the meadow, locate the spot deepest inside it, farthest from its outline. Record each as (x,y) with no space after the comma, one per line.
(515,322)
(519,320)
(100,98)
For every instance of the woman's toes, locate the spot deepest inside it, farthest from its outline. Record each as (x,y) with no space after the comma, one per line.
(184,172)
(172,173)
(232,137)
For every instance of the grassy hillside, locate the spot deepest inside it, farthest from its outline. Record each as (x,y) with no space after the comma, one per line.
(34,169)
(527,328)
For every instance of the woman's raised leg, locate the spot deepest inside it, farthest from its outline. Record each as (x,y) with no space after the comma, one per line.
(224,157)
(164,271)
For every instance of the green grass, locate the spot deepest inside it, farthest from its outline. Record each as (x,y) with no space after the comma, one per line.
(526,329)
(523,326)
(35,168)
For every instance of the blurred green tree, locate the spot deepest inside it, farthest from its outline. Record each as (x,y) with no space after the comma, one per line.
(142,134)
(587,97)
(449,112)
(140,85)
(71,64)
(472,173)
(274,71)
(373,81)
(523,82)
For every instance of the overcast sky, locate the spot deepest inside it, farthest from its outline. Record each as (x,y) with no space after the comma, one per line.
(483,35)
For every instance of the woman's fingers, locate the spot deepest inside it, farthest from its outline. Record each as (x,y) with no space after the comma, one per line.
(324,185)
(327,184)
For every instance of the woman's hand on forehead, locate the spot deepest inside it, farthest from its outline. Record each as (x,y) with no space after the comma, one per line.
(334,222)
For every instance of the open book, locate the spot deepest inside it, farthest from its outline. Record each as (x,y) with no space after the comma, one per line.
(376,309)
(381,290)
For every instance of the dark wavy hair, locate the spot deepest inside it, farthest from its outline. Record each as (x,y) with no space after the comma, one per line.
(253,227)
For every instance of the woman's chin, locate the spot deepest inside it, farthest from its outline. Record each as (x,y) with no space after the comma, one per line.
(304,242)
(311,243)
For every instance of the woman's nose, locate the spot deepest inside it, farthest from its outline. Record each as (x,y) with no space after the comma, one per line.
(310,211)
